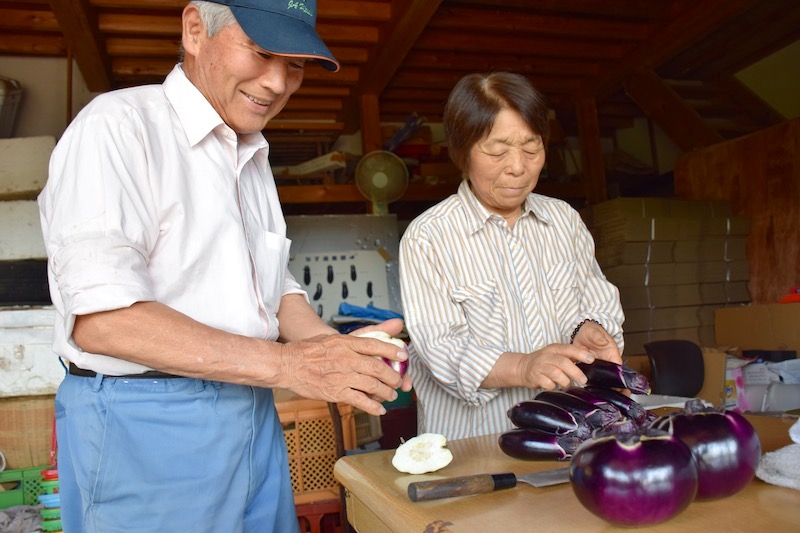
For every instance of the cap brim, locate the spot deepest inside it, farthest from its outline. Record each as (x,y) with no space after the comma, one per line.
(284,35)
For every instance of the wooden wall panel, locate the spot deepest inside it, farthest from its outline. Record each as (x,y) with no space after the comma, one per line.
(759,175)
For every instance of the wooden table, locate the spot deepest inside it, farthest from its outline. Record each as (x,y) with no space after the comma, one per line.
(377,498)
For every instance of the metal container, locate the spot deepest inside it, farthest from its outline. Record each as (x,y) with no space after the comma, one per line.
(10,96)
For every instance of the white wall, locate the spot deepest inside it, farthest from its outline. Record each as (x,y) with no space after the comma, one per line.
(43,108)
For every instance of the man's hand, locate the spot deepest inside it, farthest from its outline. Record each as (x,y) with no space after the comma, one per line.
(346,368)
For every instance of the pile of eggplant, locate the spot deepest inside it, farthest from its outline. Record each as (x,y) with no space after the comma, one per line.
(627,465)
(553,424)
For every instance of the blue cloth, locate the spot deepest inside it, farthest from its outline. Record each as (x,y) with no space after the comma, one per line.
(367,312)
(156,455)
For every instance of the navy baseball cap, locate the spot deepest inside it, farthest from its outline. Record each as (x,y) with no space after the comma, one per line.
(284,27)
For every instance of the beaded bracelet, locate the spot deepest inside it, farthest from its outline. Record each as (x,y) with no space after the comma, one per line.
(578,327)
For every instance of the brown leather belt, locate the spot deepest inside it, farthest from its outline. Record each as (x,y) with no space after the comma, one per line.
(150,374)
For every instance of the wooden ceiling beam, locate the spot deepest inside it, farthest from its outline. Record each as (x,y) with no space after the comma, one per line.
(400,35)
(454,17)
(302,114)
(300,125)
(135,47)
(340,9)
(622,9)
(499,43)
(362,11)
(449,60)
(403,33)
(679,34)
(313,104)
(735,45)
(426,79)
(682,124)
(33,45)
(79,26)
(28,20)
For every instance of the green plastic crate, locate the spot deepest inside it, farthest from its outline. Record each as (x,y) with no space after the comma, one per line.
(21,486)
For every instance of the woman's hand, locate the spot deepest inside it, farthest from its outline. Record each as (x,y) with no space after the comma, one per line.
(594,339)
(550,367)
(553,366)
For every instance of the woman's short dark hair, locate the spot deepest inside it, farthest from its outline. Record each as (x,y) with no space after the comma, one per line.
(475,102)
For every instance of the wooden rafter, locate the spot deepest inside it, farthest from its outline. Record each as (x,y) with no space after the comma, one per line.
(79,26)
(682,124)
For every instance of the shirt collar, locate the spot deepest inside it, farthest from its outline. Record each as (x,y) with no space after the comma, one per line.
(196,114)
(478,215)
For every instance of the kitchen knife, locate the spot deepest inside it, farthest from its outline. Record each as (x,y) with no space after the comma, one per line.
(482,483)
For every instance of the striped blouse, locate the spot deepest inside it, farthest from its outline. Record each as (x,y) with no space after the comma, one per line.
(473,288)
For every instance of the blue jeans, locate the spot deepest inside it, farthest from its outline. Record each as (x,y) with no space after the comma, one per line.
(156,455)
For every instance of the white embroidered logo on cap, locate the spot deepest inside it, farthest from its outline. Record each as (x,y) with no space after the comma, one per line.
(301,6)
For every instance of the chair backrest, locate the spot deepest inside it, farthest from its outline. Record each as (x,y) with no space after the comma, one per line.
(676,367)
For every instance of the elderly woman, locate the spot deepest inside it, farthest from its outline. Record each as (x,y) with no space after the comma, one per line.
(501,291)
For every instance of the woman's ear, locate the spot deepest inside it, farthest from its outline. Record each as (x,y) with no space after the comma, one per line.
(193,29)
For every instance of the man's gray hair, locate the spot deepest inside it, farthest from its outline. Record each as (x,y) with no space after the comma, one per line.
(214,16)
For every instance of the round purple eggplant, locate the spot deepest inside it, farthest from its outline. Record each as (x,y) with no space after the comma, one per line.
(724,444)
(634,478)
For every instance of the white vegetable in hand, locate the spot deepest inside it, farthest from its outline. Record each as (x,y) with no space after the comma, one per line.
(423,453)
(398,366)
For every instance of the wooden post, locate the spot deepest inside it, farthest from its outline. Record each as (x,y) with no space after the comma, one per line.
(592,163)
(370,123)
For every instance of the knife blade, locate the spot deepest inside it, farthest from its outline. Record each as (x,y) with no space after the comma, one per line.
(482,483)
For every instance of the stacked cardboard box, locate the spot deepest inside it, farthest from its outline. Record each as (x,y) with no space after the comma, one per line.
(30,372)
(23,261)
(674,261)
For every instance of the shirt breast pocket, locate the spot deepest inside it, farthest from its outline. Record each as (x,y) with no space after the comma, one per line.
(562,278)
(483,311)
(271,256)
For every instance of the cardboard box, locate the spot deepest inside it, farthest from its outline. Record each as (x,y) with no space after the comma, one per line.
(23,166)
(660,296)
(667,318)
(29,367)
(759,326)
(714,372)
(21,237)
(726,292)
(27,430)
(633,253)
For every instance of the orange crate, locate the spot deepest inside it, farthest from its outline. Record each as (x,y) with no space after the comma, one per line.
(311,445)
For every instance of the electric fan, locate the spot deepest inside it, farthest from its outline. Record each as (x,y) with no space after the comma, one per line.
(382,177)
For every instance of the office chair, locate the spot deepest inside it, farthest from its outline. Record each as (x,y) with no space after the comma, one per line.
(676,367)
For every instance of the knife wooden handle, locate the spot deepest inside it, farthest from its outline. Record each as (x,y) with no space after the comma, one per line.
(460,486)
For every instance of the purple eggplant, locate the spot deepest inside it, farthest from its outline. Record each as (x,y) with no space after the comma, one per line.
(724,444)
(534,445)
(611,375)
(597,415)
(627,405)
(549,418)
(633,476)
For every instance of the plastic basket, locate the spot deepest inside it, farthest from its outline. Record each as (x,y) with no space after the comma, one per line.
(368,427)
(311,446)
(22,486)
(51,525)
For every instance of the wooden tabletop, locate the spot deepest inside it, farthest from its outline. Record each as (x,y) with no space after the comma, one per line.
(377,497)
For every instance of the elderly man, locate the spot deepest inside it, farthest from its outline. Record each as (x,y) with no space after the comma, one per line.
(176,311)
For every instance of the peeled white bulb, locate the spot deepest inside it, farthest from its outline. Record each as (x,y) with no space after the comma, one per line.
(421,454)
(398,366)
